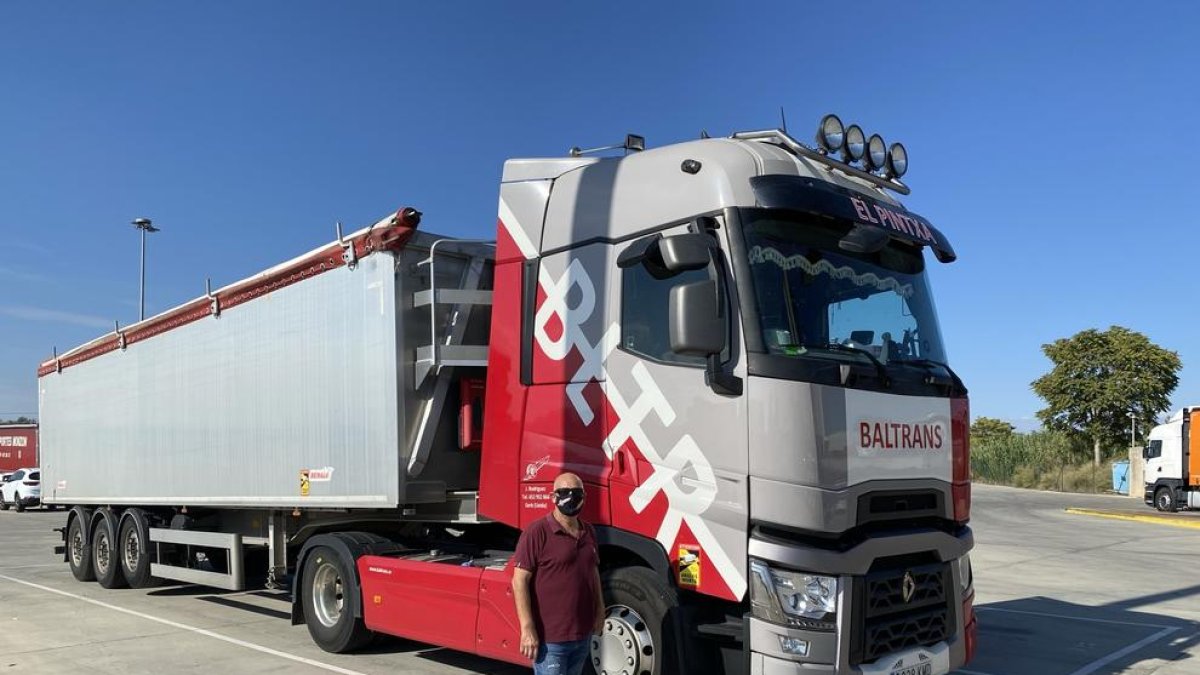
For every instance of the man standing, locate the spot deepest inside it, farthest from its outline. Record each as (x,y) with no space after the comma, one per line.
(558,557)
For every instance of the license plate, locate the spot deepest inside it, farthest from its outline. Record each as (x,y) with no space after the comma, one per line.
(919,669)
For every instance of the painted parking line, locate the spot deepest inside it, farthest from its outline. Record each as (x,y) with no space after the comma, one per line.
(1121,653)
(1106,659)
(1088,619)
(1191,523)
(191,629)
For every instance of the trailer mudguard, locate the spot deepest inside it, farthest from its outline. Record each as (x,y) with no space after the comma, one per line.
(350,546)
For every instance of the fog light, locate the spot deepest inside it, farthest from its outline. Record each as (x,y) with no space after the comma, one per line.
(897,160)
(856,144)
(876,153)
(831,134)
(794,646)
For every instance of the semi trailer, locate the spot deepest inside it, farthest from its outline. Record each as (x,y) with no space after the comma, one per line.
(732,341)
(1171,458)
(18,446)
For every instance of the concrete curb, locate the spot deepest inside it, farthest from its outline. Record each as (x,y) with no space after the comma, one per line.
(1191,523)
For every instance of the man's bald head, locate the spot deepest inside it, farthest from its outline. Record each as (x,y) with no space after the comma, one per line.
(568,480)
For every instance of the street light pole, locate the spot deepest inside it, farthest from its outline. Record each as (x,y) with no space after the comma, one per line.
(1132,427)
(145,226)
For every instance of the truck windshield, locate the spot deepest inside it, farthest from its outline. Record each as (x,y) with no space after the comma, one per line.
(816,300)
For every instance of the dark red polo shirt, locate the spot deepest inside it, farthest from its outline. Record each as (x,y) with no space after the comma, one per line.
(564,578)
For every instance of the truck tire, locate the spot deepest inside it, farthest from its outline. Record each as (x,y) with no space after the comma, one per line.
(133,545)
(79,548)
(1164,500)
(18,503)
(327,585)
(638,628)
(105,555)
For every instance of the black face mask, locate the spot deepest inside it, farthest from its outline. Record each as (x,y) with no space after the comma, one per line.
(569,500)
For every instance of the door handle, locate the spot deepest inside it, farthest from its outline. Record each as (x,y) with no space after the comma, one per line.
(621,462)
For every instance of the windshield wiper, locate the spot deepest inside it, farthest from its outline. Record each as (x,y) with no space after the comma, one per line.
(880,369)
(929,363)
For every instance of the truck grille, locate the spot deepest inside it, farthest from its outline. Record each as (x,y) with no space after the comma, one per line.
(886,623)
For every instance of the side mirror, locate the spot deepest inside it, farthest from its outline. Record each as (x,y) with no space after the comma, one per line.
(697,322)
(668,256)
(685,252)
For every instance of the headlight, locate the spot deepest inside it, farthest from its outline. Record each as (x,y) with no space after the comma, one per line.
(793,598)
(964,573)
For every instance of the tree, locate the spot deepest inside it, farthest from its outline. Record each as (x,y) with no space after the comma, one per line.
(988,428)
(1098,378)
(19,420)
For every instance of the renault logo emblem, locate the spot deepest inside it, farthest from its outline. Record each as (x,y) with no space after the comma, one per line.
(908,587)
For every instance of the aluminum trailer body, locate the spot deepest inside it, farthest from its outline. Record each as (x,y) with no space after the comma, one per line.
(301,397)
(733,342)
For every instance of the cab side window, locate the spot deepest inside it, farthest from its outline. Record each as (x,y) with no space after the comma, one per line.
(1154,449)
(644,306)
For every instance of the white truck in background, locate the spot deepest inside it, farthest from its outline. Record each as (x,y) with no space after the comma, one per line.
(1172,463)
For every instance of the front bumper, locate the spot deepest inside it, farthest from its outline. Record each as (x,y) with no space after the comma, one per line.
(842,651)
(946,656)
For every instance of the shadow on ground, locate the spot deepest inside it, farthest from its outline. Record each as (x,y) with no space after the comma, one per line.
(1051,637)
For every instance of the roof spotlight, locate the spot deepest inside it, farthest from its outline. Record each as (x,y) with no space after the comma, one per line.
(876,152)
(856,144)
(897,160)
(831,134)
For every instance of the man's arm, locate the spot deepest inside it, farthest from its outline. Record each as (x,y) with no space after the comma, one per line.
(600,610)
(529,636)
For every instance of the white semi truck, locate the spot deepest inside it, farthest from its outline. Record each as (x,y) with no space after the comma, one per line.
(733,341)
(1171,459)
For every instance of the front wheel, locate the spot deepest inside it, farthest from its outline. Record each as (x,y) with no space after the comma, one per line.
(3,504)
(1164,500)
(638,636)
(327,587)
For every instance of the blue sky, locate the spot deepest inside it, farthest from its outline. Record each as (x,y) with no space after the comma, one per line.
(1052,144)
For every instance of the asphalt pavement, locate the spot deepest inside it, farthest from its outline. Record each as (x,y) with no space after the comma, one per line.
(1057,594)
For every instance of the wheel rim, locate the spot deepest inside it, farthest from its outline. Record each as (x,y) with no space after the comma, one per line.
(327,595)
(1164,500)
(625,646)
(77,546)
(103,553)
(131,550)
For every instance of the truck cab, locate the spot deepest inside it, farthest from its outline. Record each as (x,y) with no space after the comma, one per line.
(734,343)
(1172,463)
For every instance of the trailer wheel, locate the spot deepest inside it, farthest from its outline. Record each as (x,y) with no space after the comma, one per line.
(105,554)
(328,584)
(134,549)
(638,637)
(1164,500)
(79,551)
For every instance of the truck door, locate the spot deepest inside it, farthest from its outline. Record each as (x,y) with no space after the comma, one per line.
(678,449)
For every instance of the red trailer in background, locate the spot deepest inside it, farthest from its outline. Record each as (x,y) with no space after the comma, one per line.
(18,447)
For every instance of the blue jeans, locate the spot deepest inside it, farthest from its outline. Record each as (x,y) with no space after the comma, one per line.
(562,658)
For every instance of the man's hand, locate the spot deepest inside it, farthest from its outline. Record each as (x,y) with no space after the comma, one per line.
(522,597)
(529,642)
